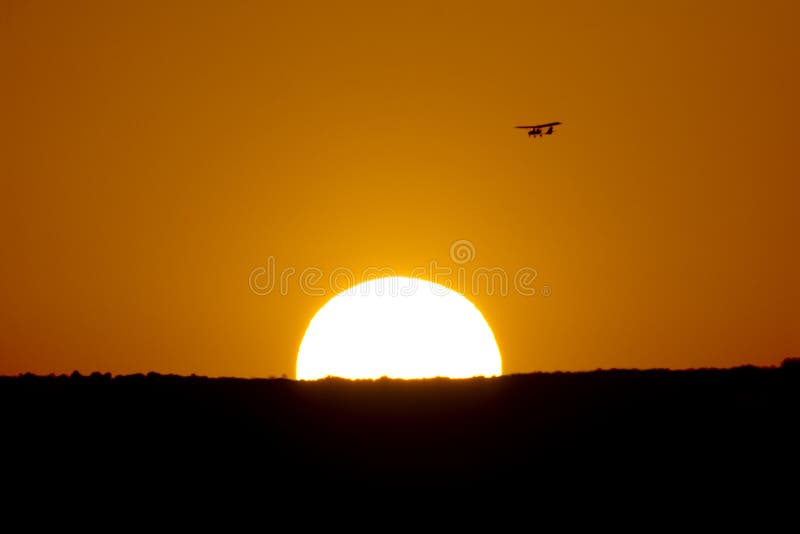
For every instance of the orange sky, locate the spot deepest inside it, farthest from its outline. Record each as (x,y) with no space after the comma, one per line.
(155,153)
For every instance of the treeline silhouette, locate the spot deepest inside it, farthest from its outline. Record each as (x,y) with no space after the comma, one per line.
(731,428)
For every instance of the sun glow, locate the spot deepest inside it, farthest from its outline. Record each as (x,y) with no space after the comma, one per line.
(400,328)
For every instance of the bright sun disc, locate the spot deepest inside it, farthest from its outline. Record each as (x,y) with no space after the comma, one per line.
(400,328)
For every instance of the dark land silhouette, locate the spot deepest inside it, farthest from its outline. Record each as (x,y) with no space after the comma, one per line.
(733,430)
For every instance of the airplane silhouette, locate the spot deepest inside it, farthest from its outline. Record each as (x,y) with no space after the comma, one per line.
(537,130)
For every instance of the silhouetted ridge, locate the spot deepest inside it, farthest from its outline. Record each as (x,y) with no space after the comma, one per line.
(636,427)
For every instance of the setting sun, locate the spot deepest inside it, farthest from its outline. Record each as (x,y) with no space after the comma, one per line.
(400,328)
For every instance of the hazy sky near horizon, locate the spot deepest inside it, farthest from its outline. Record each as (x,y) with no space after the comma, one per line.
(154,154)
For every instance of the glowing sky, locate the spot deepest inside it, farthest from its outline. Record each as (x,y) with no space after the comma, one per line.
(154,153)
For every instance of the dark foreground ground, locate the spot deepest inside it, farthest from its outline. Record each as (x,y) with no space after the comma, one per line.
(705,430)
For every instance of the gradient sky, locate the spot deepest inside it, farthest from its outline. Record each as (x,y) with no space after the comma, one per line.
(155,153)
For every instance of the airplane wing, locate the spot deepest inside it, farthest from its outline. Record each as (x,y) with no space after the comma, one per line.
(539,125)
